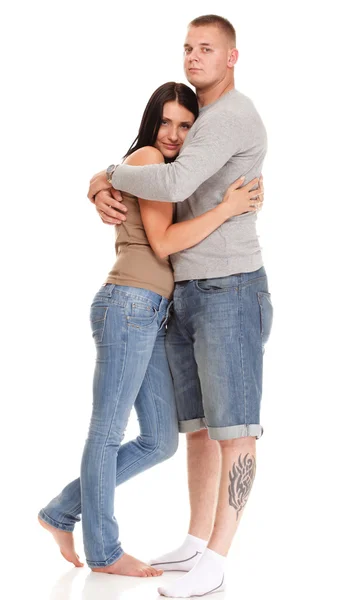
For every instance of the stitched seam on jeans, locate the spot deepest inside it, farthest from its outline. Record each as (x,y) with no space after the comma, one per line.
(251,281)
(215,290)
(167,315)
(128,297)
(157,414)
(190,420)
(261,319)
(112,558)
(100,495)
(154,449)
(241,323)
(99,340)
(72,510)
(183,331)
(62,526)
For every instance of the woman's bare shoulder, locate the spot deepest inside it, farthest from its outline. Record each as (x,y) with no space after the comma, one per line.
(148,155)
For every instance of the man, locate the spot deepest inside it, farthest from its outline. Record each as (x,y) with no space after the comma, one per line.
(222,308)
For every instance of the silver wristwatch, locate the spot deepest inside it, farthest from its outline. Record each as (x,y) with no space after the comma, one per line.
(109,172)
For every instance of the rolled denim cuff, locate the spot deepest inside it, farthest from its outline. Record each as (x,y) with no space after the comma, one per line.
(221,433)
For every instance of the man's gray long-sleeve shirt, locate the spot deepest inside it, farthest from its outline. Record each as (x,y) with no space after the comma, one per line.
(227,140)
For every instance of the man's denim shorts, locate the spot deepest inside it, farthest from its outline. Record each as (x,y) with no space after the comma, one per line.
(215,344)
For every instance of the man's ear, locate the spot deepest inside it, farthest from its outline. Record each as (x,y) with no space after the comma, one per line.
(233,57)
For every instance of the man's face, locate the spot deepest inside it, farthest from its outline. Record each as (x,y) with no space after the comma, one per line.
(207,55)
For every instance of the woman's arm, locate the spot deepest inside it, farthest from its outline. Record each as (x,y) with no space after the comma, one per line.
(166,237)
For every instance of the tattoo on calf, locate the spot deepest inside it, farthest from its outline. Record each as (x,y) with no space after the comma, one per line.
(241,479)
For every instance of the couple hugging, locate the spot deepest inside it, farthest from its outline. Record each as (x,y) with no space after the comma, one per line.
(181,322)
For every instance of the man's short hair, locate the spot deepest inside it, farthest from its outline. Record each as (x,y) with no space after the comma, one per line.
(220,22)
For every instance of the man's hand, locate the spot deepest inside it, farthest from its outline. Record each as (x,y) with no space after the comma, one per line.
(108,205)
(98,183)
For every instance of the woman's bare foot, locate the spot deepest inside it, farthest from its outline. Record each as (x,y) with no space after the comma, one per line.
(128,565)
(65,541)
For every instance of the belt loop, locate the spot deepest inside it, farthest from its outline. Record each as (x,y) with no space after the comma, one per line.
(109,290)
(162,302)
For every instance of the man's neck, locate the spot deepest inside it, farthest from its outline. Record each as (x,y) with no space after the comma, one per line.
(209,95)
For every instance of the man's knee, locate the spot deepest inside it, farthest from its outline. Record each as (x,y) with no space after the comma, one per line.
(197,436)
(249,443)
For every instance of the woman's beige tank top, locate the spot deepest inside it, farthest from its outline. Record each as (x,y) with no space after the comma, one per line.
(136,264)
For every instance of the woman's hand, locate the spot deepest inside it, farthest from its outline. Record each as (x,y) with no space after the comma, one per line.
(238,200)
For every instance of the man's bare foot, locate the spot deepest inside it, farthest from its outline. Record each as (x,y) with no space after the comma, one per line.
(128,565)
(65,541)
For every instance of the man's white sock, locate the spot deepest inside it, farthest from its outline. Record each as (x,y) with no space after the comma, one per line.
(207,577)
(183,558)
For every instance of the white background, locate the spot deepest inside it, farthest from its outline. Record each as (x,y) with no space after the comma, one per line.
(75,80)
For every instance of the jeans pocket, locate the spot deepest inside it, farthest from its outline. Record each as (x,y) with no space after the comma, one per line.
(141,315)
(98,316)
(105,291)
(216,284)
(266,312)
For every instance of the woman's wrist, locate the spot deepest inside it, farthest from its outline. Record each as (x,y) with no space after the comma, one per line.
(224,211)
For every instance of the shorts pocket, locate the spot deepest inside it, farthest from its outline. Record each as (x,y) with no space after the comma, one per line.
(141,315)
(216,284)
(266,313)
(98,316)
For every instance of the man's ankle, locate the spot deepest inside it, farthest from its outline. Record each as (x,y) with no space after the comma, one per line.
(200,534)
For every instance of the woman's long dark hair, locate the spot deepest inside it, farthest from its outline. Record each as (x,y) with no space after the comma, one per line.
(153,114)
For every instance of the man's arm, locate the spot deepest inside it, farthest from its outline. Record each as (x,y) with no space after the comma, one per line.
(214,143)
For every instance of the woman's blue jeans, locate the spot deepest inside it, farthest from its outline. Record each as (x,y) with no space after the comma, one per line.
(129,328)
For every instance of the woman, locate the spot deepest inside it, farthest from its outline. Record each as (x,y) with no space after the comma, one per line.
(128,319)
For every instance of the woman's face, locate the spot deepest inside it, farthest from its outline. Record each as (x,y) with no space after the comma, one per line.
(175,124)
